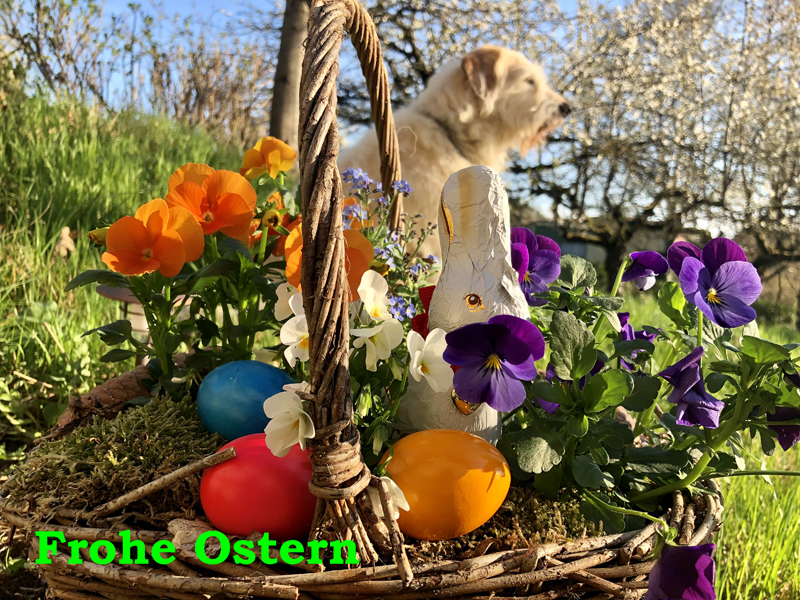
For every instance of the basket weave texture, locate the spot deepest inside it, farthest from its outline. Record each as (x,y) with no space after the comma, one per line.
(602,567)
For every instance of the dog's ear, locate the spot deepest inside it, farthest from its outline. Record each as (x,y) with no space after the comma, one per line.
(481,68)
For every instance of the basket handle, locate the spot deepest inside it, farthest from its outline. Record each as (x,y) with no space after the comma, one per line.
(339,475)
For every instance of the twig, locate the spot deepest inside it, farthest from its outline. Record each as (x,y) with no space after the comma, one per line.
(30,379)
(162,482)
(400,558)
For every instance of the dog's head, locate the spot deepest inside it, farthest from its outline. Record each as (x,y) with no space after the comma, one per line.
(510,88)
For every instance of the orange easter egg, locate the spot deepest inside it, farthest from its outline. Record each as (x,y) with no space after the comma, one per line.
(453,481)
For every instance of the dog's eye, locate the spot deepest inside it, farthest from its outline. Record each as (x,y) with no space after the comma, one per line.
(531,81)
(474,302)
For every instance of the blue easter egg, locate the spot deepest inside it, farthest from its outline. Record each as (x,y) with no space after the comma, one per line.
(231,398)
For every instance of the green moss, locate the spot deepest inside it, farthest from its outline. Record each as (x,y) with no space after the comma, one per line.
(102,461)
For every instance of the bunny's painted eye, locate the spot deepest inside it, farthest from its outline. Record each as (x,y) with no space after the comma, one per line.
(474,302)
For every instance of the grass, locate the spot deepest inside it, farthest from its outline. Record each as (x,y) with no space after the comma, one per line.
(67,165)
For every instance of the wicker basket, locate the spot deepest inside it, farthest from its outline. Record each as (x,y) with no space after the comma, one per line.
(602,567)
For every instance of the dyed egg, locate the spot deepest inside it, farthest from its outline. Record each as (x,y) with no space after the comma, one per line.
(257,491)
(231,398)
(453,481)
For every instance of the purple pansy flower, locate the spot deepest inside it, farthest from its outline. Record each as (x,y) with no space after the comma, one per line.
(680,250)
(645,267)
(550,376)
(494,358)
(627,333)
(683,573)
(723,284)
(537,259)
(695,405)
(788,435)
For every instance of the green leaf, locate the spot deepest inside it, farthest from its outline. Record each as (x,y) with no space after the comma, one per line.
(645,391)
(608,388)
(672,302)
(578,425)
(114,333)
(762,351)
(716,381)
(577,272)
(613,522)
(549,482)
(655,461)
(627,347)
(535,449)
(265,288)
(612,303)
(230,245)
(117,354)
(98,276)
(572,346)
(613,319)
(587,474)
(551,392)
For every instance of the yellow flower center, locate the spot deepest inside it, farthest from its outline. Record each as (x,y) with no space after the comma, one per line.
(526,277)
(208,217)
(713,297)
(493,362)
(375,312)
(147,254)
(303,343)
(272,218)
(424,368)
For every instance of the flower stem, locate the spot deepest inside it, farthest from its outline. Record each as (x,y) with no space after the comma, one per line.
(748,473)
(620,273)
(699,328)
(627,511)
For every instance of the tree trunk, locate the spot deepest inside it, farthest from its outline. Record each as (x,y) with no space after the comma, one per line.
(285,110)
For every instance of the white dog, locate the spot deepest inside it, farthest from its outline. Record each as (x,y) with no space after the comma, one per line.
(473,112)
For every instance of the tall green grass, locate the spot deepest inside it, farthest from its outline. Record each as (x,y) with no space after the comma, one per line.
(758,549)
(68,165)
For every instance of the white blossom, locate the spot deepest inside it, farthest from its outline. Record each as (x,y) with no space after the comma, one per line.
(289,423)
(395,493)
(426,359)
(283,309)
(373,290)
(379,340)
(294,333)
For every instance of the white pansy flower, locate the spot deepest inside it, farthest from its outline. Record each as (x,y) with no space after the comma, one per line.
(395,493)
(289,424)
(373,290)
(294,333)
(285,292)
(379,340)
(426,356)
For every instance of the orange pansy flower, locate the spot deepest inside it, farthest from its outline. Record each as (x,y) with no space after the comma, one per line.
(157,238)
(358,256)
(270,155)
(222,201)
(194,172)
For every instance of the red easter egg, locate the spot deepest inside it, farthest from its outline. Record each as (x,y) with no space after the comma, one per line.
(257,491)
